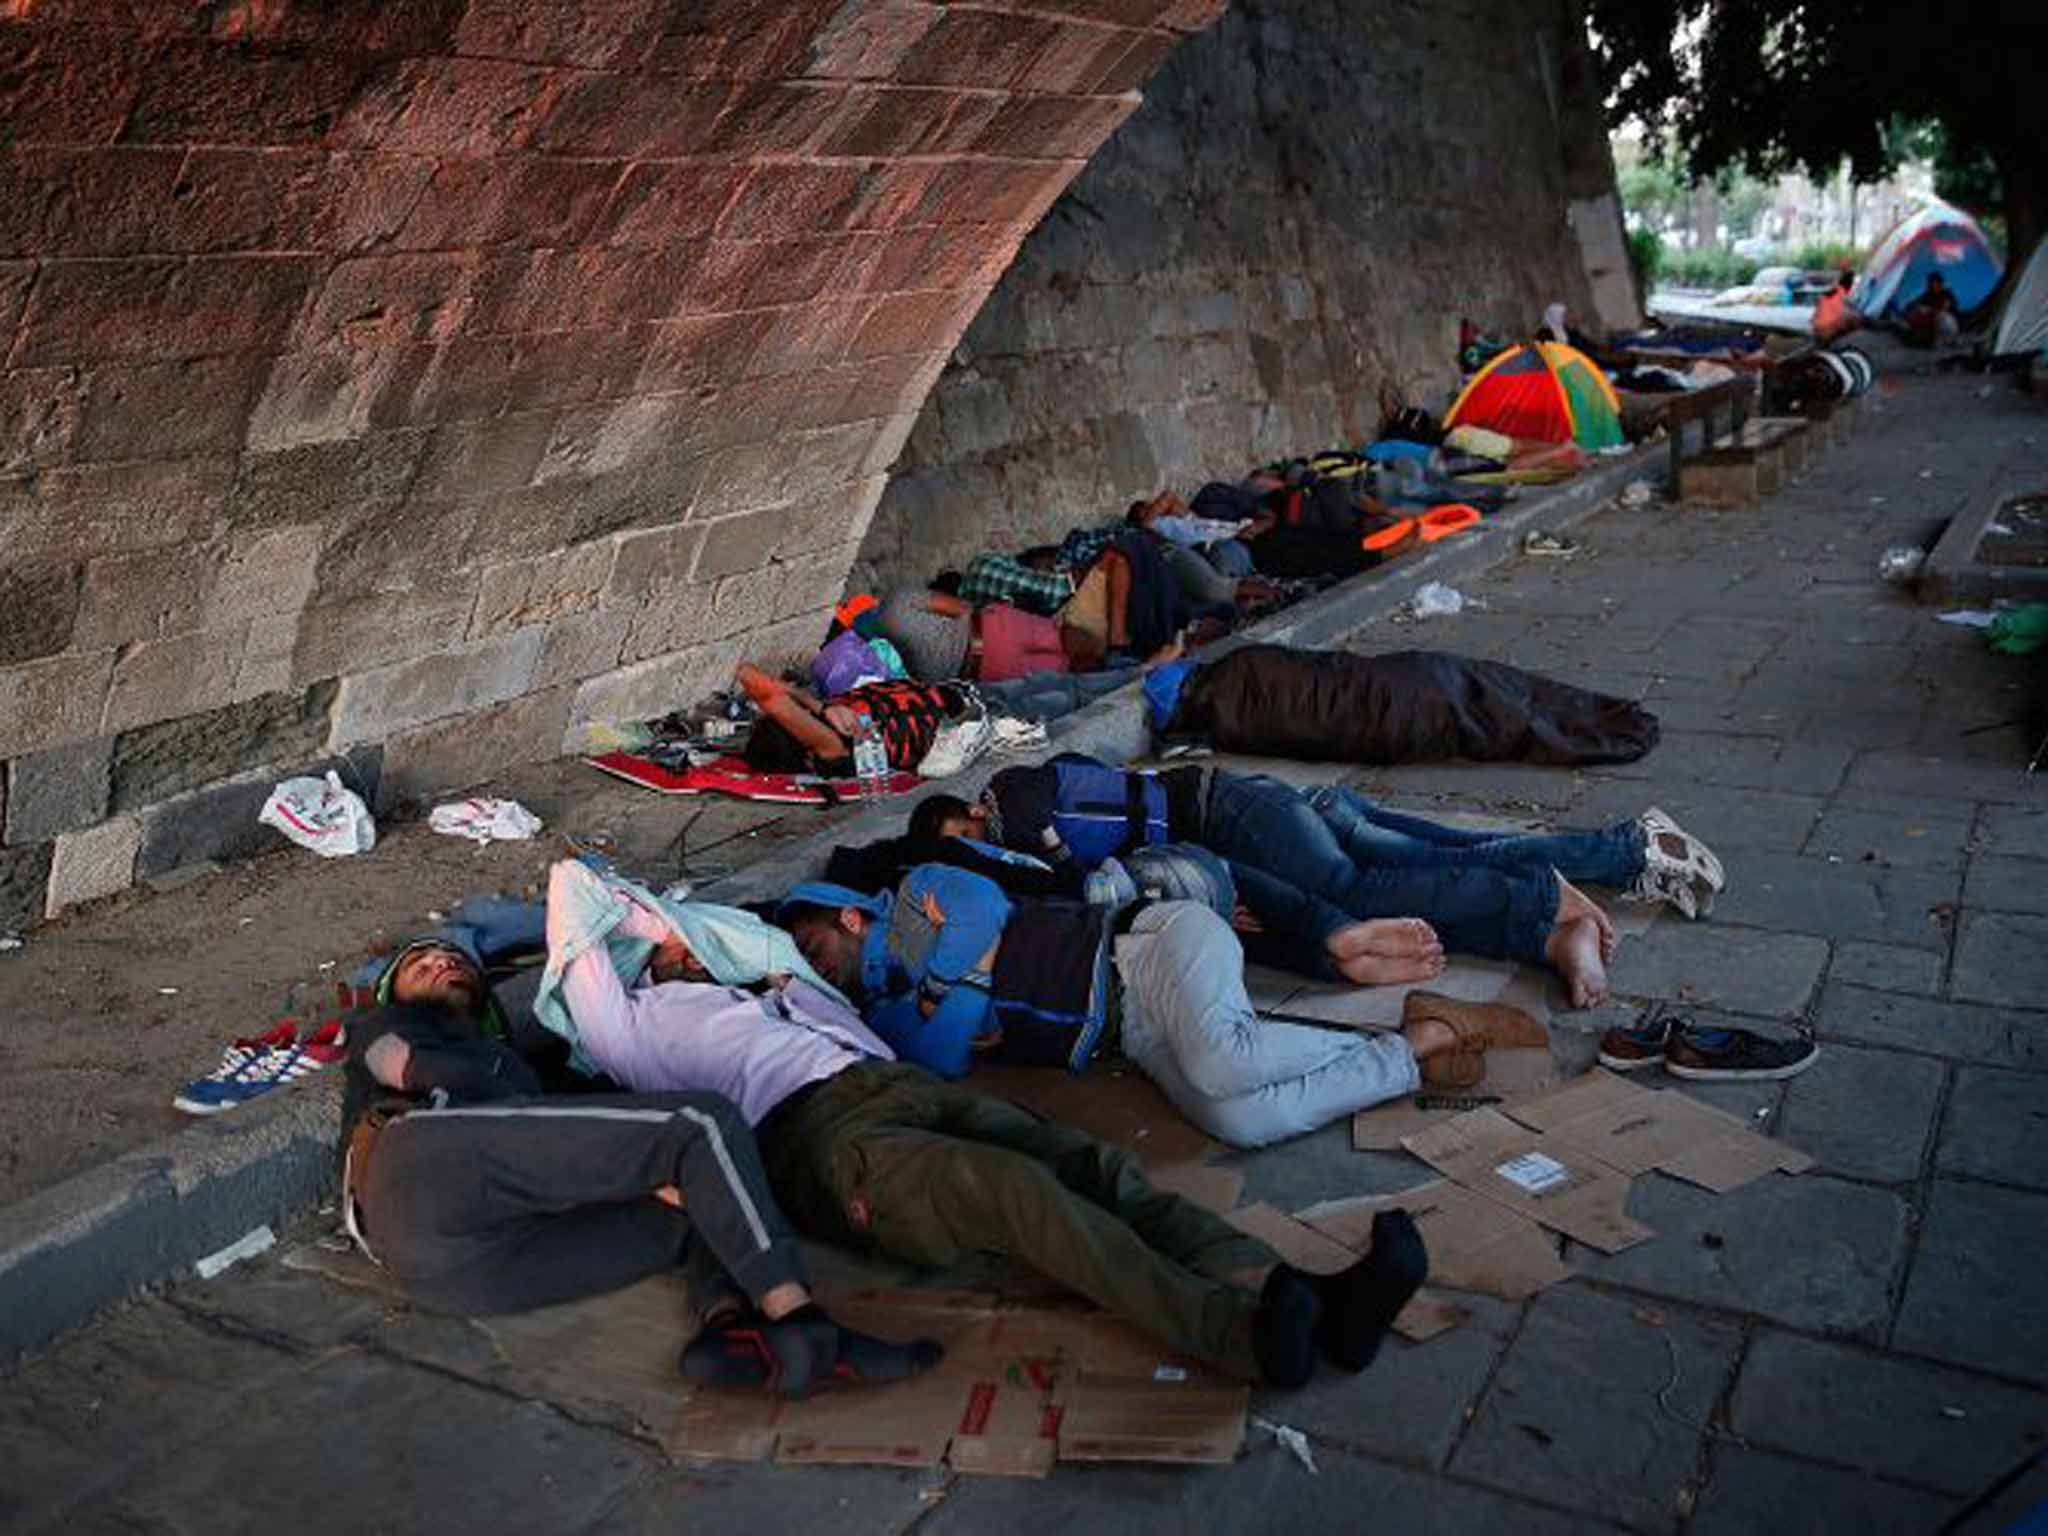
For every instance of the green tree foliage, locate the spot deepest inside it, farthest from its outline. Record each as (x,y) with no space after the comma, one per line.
(1772,84)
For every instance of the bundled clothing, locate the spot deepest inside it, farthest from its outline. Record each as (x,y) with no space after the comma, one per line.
(1400,707)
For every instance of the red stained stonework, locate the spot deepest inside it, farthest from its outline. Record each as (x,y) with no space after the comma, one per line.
(432,297)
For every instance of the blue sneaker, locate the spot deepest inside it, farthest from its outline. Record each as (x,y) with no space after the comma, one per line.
(251,1068)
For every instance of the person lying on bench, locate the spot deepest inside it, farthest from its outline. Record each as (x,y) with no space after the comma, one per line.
(480,1196)
(880,1155)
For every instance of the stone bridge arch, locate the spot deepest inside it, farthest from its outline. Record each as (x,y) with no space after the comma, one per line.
(415,384)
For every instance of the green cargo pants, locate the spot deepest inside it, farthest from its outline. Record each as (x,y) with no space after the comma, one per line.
(889,1157)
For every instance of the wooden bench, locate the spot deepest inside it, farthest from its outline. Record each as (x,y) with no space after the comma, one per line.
(1732,398)
(1753,461)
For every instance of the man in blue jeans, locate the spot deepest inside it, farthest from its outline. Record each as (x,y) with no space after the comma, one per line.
(1506,897)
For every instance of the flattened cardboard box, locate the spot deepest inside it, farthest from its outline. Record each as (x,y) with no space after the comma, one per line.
(1637,1129)
(1511,1075)
(1428,1313)
(1020,1388)
(1474,1244)
(1555,1183)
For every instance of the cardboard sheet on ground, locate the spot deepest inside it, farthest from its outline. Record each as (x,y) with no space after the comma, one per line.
(1510,1076)
(1020,1388)
(1121,1107)
(1638,1129)
(1428,1313)
(1556,1183)
(1474,1244)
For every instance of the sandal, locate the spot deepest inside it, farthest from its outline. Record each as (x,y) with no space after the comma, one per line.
(1479,1027)
(1668,846)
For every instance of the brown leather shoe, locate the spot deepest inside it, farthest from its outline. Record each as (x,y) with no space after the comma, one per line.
(1479,1028)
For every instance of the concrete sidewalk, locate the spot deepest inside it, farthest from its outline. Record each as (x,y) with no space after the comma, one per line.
(1864,1347)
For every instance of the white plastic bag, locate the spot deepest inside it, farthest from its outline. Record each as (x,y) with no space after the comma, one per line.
(321,815)
(1434,600)
(484,820)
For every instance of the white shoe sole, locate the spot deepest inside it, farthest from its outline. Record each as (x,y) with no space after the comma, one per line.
(1743,1075)
(1630,1063)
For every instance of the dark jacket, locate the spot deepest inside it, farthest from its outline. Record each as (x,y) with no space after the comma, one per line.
(451,1055)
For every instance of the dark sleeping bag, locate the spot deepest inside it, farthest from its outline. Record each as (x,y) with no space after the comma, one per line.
(1403,707)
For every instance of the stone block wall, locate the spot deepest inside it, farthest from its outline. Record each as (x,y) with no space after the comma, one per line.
(1311,196)
(412,385)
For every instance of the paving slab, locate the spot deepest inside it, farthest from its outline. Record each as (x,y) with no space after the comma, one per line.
(1975,1295)
(2018,831)
(1740,761)
(1959,1031)
(1265,1490)
(1864,1114)
(394,1440)
(1797,893)
(1573,1415)
(1480,784)
(1911,773)
(1741,970)
(2002,958)
(2020,1508)
(1731,1250)
(2002,884)
(1996,1128)
(1930,842)
(825,1500)
(1725,818)
(1415,1400)
(1887,967)
(1754,1491)
(142,1383)
(1904,1420)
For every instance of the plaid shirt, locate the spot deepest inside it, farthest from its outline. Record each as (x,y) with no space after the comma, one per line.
(1083,546)
(993,578)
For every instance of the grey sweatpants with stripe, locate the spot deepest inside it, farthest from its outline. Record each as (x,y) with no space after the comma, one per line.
(527,1202)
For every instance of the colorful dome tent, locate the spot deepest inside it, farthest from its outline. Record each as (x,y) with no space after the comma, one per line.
(1936,239)
(2023,322)
(1541,391)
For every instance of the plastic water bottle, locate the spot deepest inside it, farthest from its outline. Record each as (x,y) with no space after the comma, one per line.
(870,761)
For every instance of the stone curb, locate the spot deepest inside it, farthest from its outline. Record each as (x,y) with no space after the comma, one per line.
(104,1234)
(101,1236)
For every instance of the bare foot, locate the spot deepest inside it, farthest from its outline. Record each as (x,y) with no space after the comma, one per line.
(1393,937)
(1574,952)
(1390,970)
(1573,904)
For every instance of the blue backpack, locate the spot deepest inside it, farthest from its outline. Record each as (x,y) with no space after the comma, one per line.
(1076,807)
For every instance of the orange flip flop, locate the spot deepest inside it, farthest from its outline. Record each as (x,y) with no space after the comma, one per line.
(1441,522)
(1392,539)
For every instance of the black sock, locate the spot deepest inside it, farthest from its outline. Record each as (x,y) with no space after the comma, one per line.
(1360,1303)
(1284,1328)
